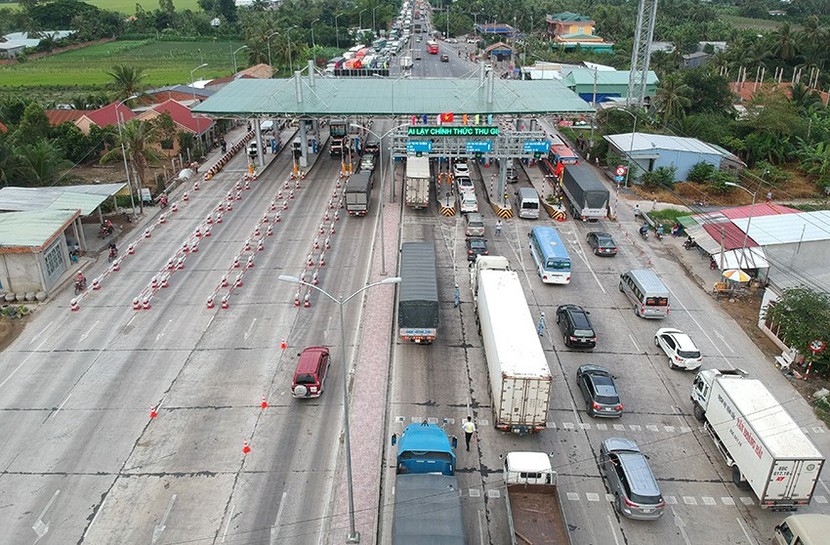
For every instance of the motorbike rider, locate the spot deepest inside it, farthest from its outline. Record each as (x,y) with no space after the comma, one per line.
(644,230)
(113,249)
(80,280)
(163,200)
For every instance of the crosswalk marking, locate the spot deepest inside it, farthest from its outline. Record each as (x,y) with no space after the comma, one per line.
(689,500)
(590,496)
(726,500)
(708,500)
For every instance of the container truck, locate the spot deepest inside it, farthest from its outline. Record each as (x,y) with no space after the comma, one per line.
(339,132)
(520,379)
(418,296)
(534,511)
(427,497)
(588,196)
(760,441)
(417,181)
(358,193)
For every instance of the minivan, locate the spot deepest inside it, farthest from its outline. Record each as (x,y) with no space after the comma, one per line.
(475,225)
(635,490)
(310,375)
(648,293)
(806,529)
(527,202)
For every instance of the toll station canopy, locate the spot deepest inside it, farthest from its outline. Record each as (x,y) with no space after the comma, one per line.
(389,97)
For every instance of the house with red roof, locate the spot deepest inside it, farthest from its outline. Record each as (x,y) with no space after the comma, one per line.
(107,116)
(199,126)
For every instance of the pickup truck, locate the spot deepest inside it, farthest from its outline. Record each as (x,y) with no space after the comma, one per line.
(534,510)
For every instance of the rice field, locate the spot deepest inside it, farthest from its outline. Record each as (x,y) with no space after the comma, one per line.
(164,63)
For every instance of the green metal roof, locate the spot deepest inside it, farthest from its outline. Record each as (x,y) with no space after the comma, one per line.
(33,229)
(585,76)
(390,97)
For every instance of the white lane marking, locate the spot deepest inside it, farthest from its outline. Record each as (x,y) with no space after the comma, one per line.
(482,527)
(91,524)
(22,363)
(584,256)
(40,527)
(162,525)
(61,405)
(613,530)
(41,332)
(250,327)
(637,348)
(228,524)
(686,309)
(726,344)
(275,529)
(90,330)
(749,538)
(163,331)
(681,526)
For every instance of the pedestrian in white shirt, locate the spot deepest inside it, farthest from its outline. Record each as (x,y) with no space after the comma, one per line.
(469,429)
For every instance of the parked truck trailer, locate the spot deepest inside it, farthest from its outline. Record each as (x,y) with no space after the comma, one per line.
(588,196)
(758,438)
(520,379)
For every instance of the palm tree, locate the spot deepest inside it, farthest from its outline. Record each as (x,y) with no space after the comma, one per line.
(42,164)
(672,98)
(785,44)
(137,138)
(128,81)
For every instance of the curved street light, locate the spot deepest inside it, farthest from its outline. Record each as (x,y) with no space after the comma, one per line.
(288,37)
(748,223)
(382,185)
(360,19)
(353,536)
(313,45)
(337,30)
(268,44)
(193,86)
(235,67)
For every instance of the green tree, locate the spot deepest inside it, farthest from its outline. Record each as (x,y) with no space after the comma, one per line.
(138,138)
(672,98)
(33,126)
(127,81)
(42,163)
(784,42)
(802,316)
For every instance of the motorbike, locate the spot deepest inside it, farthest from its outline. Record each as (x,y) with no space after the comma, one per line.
(106,230)
(80,285)
(113,255)
(163,202)
(644,232)
(689,244)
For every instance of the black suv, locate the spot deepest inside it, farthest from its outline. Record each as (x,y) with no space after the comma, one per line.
(576,326)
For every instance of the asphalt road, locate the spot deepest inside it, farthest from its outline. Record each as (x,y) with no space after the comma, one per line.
(82,460)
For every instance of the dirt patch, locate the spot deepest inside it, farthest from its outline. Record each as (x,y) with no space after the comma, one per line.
(11,328)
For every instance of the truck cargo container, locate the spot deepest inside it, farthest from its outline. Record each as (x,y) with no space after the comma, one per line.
(758,438)
(587,195)
(520,379)
(417,181)
(418,296)
(359,193)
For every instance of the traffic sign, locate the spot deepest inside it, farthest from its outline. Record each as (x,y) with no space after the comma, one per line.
(418,146)
(536,146)
(480,146)
(620,171)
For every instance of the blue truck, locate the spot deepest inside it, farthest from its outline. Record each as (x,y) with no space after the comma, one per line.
(427,497)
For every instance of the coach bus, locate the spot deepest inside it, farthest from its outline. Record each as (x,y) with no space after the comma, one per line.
(550,255)
(432,47)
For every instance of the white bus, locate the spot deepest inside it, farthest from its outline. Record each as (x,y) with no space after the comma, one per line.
(550,255)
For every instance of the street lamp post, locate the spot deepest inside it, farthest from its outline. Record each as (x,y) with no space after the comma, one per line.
(382,185)
(313,45)
(631,145)
(360,19)
(748,221)
(374,26)
(353,536)
(235,67)
(120,119)
(192,86)
(268,44)
(337,31)
(288,37)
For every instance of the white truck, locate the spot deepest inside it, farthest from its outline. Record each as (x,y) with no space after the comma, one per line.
(758,438)
(534,511)
(417,181)
(520,379)
(406,62)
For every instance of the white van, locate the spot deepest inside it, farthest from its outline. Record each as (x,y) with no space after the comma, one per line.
(527,203)
(467,202)
(648,293)
(807,529)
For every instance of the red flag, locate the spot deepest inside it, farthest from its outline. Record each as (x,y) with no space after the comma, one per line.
(447,117)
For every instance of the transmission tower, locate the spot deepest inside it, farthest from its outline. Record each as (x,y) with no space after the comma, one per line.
(641,53)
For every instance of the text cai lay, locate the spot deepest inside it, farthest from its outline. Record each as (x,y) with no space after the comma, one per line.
(453,131)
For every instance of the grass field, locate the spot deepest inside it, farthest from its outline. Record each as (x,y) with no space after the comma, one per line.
(164,63)
(128,6)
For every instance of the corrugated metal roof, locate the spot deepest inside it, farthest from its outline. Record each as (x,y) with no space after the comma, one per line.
(650,142)
(85,198)
(382,96)
(758,210)
(742,258)
(32,229)
(585,76)
(729,233)
(787,228)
